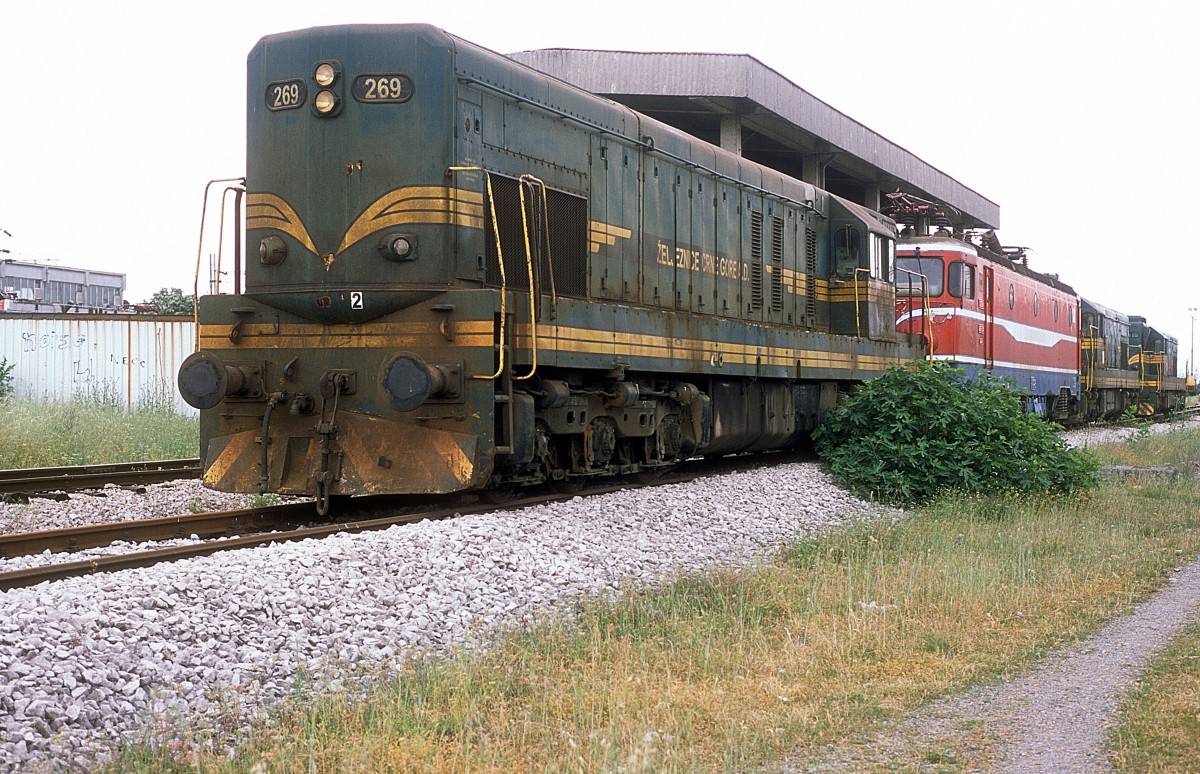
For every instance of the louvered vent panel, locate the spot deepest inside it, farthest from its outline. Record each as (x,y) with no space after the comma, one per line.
(777,264)
(810,268)
(756,260)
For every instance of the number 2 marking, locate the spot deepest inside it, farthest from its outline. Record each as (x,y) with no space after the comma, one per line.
(356,299)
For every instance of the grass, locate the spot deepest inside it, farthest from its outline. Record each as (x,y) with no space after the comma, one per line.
(1165,449)
(85,433)
(727,671)
(1161,718)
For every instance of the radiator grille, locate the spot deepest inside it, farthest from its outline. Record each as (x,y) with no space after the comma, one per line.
(558,236)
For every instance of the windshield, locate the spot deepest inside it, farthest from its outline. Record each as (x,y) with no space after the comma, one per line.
(910,269)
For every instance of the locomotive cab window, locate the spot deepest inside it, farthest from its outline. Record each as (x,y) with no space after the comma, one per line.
(961,280)
(883,257)
(847,247)
(913,271)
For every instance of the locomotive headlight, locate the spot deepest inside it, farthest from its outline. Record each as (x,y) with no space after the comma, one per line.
(398,247)
(409,381)
(272,251)
(325,74)
(326,102)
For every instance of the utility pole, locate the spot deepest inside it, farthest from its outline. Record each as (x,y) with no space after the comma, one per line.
(1191,369)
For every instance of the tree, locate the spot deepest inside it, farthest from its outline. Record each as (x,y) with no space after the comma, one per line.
(924,429)
(172,301)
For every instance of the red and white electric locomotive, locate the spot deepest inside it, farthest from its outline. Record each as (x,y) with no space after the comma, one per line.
(981,307)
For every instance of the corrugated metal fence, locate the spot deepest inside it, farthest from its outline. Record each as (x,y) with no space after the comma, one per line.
(123,359)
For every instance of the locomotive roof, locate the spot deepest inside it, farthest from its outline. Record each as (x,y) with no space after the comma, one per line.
(1104,311)
(699,92)
(879,224)
(958,245)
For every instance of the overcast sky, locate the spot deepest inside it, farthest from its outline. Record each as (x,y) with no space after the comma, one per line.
(1078,118)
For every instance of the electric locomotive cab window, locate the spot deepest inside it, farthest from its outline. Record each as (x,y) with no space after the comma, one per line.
(913,271)
(961,280)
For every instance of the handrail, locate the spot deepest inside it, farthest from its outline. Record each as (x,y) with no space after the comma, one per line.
(926,313)
(200,248)
(545,232)
(858,303)
(237,198)
(1089,382)
(487,176)
(531,182)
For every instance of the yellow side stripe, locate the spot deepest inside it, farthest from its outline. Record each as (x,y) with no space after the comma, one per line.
(479,334)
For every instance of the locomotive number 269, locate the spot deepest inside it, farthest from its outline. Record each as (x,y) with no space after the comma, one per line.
(382,87)
(285,95)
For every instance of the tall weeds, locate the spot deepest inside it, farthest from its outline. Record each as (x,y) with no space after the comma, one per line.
(91,432)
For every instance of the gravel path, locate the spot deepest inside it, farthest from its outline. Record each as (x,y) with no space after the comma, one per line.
(1053,719)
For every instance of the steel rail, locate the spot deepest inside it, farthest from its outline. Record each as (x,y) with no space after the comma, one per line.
(172,527)
(202,525)
(73,478)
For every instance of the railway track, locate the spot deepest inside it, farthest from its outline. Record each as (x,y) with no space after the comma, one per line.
(28,482)
(219,531)
(246,528)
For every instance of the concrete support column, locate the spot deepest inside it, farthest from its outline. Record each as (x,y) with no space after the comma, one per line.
(814,170)
(871,196)
(731,133)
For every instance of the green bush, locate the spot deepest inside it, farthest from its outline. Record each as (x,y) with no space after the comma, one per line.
(926,428)
(6,376)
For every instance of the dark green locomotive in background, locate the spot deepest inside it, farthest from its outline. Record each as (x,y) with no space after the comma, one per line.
(472,275)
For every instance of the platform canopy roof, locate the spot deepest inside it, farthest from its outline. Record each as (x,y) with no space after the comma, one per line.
(777,123)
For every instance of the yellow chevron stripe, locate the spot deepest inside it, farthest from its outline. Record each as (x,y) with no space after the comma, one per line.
(269,211)
(605,233)
(438,205)
(417,204)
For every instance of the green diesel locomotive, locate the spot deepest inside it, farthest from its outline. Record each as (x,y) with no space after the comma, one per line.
(473,276)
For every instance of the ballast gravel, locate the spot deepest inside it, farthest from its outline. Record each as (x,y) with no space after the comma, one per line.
(89,663)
